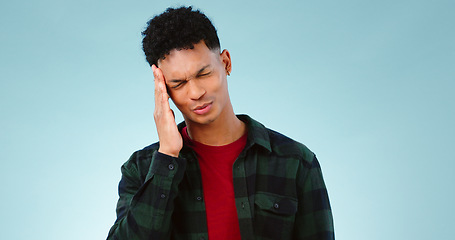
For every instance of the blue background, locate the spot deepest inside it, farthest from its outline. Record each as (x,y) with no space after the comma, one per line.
(367,85)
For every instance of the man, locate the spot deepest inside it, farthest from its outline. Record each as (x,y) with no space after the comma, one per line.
(215,175)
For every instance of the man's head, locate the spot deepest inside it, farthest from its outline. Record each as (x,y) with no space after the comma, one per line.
(178,28)
(184,45)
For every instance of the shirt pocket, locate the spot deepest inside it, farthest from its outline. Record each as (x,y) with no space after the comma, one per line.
(274,215)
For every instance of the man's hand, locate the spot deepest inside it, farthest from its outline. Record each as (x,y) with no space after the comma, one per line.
(170,139)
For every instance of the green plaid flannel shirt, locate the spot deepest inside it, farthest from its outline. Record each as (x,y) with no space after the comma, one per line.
(278,186)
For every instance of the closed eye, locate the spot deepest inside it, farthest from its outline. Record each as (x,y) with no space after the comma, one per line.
(204,74)
(179,83)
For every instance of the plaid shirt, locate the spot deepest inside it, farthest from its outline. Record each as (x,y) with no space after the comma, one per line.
(278,186)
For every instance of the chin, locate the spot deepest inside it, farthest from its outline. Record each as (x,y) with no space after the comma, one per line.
(200,119)
(204,120)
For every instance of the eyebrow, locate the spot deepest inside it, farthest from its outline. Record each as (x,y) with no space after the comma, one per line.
(202,69)
(198,72)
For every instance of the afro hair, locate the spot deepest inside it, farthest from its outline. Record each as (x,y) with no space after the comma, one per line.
(177,28)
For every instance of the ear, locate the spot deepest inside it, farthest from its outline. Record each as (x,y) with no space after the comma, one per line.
(225,58)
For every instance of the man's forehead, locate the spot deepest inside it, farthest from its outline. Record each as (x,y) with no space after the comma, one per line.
(182,57)
(197,48)
(181,65)
(186,62)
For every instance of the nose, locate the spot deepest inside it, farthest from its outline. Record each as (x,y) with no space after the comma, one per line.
(195,90)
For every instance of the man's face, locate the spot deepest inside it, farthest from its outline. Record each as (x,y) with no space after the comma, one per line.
(196,82)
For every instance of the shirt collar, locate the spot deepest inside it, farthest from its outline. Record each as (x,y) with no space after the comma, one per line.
(257,133)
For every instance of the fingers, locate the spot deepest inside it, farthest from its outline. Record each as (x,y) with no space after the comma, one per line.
(161,95)
(160,83)
(170,140)
(163,111)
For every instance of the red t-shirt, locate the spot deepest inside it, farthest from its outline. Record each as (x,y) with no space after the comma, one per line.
(217,183)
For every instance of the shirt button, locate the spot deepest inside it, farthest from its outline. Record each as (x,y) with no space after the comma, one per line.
(171,166)
(163,195)
(276,205)
(199,198)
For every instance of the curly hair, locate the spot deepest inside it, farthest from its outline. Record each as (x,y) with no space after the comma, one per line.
(177,28)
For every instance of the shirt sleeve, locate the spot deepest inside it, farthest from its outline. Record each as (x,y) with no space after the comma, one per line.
(314,216)
(145,206)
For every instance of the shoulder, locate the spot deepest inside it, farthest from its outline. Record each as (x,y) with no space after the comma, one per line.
(140,160)
(145,153)
(278,144)
(284,146)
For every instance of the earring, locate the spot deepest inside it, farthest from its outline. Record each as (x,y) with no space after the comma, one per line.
(228,73)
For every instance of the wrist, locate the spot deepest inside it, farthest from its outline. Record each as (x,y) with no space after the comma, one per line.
(169,153)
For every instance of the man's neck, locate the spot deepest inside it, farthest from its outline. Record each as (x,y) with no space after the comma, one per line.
(226,129)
